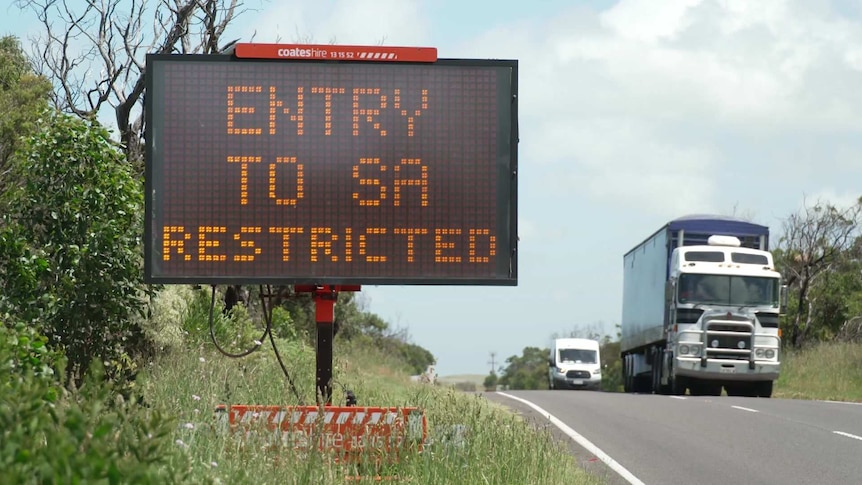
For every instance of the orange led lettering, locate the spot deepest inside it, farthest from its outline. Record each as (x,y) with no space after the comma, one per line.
(441,244)
(363,246)
(322,239)
(370,114)
(179,245)
(204,243)
(285,239)
(327,106)
(232,110)
(411,234)
(243,162)
(276,107)
(421,182)
(492,245)
(411,115)
(246,244)
(299,181)
(369,181)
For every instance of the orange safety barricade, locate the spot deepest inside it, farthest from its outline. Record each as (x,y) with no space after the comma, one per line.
(348,431)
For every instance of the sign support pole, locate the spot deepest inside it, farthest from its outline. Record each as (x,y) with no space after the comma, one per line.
(325,297)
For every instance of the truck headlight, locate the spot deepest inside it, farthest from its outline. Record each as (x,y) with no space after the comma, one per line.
(695,350)
(759,353)
(597,372)
(770,354)
(683,350)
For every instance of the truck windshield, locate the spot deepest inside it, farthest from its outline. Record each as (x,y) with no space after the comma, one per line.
(728,290)
(578,356)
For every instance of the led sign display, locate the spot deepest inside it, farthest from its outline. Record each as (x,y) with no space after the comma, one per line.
(322,172)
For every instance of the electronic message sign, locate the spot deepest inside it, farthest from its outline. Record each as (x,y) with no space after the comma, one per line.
(330,172)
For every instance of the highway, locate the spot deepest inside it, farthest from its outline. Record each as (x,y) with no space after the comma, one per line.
(655,439)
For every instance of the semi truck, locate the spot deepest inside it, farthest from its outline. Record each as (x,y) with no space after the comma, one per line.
(701,306)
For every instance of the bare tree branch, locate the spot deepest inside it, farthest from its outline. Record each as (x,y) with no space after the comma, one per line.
(814,240)
(95,52)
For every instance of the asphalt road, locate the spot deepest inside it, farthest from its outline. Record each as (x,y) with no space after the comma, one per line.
(704,440)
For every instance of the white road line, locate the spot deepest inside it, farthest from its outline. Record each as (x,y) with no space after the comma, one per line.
(677,397)
(848,435)
(745,409)
(579,439)
(845,402)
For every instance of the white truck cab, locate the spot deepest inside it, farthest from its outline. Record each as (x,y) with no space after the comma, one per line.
(725,316)
(575,363)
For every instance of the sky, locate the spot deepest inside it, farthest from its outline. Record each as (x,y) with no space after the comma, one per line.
(631,113)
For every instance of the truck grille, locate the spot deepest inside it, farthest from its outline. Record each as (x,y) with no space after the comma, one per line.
(578,374)
(728,338)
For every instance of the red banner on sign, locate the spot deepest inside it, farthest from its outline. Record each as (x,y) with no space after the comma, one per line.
(323,52)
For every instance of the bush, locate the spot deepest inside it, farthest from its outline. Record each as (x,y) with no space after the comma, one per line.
(167,308)
(234,331)
(70,249)
(51,435)
(24,352)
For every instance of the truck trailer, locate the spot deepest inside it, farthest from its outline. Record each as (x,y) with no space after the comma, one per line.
(701,306)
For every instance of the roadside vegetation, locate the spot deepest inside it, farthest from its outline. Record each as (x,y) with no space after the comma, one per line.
(163,427)
(106,379)
(828,371)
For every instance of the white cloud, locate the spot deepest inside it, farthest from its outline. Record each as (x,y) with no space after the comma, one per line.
(526,229)
(625,163)
(364,22)
(648,20)
(643,103)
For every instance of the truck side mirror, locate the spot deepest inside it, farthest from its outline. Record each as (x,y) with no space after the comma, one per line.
(551,362)
(782,306)
(669,290)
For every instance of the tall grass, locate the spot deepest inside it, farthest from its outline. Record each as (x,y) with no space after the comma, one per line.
(830,371)
(470,440)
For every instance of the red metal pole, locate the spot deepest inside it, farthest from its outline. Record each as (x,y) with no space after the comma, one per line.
(324,303)
(325,297)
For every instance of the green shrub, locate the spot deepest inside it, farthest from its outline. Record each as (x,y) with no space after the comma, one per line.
(234,331)
(283,326)
(24,352)
(70,249)
(51,435)
(167,308)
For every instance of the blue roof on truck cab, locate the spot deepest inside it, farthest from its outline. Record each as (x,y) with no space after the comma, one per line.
(703,223)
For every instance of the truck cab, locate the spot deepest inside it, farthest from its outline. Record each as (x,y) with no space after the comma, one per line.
(701,306)
(575,363)
(723,303)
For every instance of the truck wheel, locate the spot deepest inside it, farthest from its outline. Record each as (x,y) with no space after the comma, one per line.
(627,374)
(735,390)
(763,389)
(656,373)
(642,384)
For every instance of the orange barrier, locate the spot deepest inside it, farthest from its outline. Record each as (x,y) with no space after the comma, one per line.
(347,431)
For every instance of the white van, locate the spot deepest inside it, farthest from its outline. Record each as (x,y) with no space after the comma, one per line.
(575,363)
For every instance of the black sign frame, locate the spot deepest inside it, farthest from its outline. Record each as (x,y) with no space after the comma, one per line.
(505,175)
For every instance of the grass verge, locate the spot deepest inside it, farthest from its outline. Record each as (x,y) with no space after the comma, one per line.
(829,371)
(471,441)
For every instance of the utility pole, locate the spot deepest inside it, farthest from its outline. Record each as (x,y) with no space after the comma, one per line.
(493,363)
